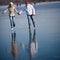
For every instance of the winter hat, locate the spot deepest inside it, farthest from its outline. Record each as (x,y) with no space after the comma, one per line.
(26,1)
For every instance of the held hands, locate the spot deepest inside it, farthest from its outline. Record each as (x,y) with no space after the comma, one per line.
(19,13)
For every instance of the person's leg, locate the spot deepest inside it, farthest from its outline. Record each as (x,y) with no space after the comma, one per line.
(11,21)
(32,20)
(34,35)
(28,21)
(30,37)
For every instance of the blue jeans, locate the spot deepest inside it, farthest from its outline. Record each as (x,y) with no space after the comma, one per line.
(30,16)
(12,23)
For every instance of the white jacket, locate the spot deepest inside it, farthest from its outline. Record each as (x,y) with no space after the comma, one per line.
(29,10)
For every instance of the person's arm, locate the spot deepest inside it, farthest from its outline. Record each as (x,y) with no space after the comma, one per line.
(33,11)
(22,11)
(5,11)
(17,11)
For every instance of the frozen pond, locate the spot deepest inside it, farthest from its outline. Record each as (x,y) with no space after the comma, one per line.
(45,44)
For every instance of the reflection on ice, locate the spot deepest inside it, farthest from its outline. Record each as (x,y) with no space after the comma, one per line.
(33,44)
(32,47)
(14,46)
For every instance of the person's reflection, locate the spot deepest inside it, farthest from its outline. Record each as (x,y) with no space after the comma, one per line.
(33,44)
(14,46)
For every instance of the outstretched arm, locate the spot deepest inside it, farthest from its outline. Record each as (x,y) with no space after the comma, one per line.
(17,11)
(5,11)
(20,12)
(23,10)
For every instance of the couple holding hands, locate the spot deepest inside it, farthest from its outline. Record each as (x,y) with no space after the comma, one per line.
(29,9)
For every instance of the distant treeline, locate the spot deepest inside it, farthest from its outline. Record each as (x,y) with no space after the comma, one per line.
(6,2)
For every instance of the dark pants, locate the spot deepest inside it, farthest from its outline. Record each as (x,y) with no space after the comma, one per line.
(12,23)
(30,16)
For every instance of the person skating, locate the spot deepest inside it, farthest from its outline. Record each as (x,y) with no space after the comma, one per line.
(30,12)
(11,8)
